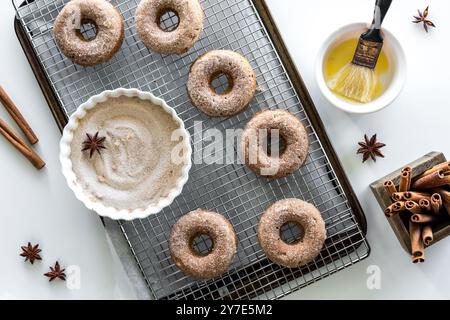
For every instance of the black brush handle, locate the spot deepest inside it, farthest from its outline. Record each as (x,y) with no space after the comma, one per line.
(381,9)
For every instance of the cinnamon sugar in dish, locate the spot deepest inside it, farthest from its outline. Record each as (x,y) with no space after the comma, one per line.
(135,170)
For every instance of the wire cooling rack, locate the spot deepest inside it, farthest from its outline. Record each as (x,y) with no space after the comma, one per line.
(230,189)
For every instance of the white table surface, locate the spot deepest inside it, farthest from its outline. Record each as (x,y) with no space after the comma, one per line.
(38,207)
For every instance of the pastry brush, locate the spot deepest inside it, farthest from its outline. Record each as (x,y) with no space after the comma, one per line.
(357,80)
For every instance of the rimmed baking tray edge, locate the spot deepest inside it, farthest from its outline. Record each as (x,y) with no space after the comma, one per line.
(292,71)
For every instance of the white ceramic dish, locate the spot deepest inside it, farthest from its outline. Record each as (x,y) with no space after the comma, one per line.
(393,83)
(66,163)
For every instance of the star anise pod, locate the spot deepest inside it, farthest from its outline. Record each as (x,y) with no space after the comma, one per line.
(422,18)
(56,272)
(93,143)
(370,148)
(31,253)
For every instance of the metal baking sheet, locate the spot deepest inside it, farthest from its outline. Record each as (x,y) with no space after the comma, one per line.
(230,189)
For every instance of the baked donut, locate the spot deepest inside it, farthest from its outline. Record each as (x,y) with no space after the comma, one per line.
(301,252)
(292,133)
(241,82)
(182,38)
(108,25)
(222,235)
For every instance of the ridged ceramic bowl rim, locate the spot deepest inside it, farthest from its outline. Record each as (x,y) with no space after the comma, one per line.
(392,91)
(69,174)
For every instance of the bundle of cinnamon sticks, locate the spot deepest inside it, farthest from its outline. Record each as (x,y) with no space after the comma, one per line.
(13,137)
(423,200)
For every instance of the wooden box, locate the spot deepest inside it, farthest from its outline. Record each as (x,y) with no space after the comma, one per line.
(398,224)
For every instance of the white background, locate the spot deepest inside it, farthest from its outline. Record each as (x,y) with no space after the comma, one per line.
(38,207)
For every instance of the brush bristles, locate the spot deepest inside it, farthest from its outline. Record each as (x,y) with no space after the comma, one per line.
(355,82)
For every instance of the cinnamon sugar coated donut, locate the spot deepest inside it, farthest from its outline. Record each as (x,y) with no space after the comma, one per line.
(241,82)
(182,38)
(108,25)
(290,130)
(222,235)
(312,238)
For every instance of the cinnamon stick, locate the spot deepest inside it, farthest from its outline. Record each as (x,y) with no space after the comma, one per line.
(17,116)
(419,259)
(394,208)
(445,166)
(390,188)
(422,218)
(407,169)
(20,145)
(388,212)
(427,235)
(398,196)
(399,206)
(434,180)
(405,180)
(417,249)
(425,205)
(445,195)
(413,207)
(436,203)
(416,196)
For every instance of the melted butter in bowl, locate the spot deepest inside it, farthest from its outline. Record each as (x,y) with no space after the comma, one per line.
(136,169)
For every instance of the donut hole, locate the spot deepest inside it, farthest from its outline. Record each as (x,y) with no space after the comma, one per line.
(221,83)
(88,30)
(273,143)
(201,244)
(291,232)
(168,20)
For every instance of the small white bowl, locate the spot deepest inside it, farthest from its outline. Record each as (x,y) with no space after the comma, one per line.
(66,162)
(395,79)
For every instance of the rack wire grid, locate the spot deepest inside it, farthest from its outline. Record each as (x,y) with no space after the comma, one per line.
(231,189)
